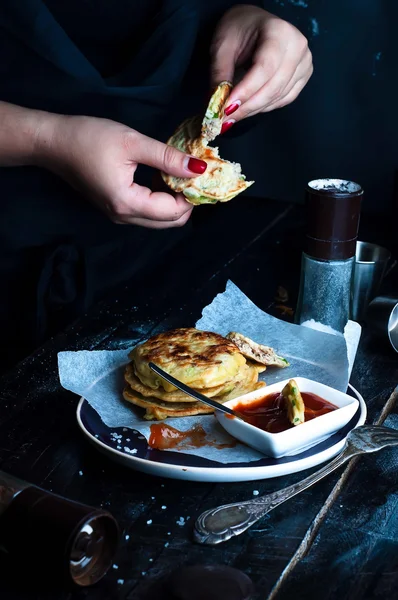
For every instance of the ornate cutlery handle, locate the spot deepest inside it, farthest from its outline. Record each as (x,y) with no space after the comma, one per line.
(220,524)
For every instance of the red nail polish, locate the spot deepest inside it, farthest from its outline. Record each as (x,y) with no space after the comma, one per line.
(227,125)
(231,108)
(197,166)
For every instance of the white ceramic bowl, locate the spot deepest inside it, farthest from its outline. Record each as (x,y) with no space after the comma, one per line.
(299,438)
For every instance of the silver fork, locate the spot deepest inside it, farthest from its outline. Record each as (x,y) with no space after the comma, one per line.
(220,524)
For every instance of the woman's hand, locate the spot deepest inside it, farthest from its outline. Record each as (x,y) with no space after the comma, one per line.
(281,61)
(99,157)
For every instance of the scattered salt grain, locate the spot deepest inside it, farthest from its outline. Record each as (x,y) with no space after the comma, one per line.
(153,498)
(169,533)
(127,537)
(151,560)
(80,473)
(255,492)
(143,572)
(125,429)
(128,440)
(120,581)
(166,544)
(118,447)
(115,566)
(181,521)
(163,507)
(149,522)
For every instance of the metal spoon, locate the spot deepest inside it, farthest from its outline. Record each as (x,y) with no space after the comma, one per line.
(191,392)
(220,524)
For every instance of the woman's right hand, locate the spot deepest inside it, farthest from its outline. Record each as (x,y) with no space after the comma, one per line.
(99,157)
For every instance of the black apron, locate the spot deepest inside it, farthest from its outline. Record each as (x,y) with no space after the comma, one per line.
(130,61)
(57,253)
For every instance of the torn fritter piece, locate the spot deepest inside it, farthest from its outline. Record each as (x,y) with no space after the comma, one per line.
(212,121)
(223,179)
(294,403)
(257,352)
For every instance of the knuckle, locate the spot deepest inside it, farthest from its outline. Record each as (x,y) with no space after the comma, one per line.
(287,30)
(168,157)
(117,209)
(218,43)
(276,93)
(244,112)
(127,139)
(118,215)
(303,45)
(115,216)
(285,101)
(223,46)
(270,59)
(293,36)
(109,209)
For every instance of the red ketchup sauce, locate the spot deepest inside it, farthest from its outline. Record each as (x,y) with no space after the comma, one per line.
(166,437)
(269,413)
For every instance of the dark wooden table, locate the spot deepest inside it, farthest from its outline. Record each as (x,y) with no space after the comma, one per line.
(339,539)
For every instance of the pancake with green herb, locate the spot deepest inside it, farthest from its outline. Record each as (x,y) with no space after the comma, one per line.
(157,409)
(201,359)
(206,361)
(174,396)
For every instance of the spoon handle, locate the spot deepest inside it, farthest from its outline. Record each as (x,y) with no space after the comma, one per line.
(220,524)
(193,393)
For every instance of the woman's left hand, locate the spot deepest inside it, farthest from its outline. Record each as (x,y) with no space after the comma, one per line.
(281,60)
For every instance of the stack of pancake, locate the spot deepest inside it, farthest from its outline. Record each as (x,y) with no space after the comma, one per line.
(207,362)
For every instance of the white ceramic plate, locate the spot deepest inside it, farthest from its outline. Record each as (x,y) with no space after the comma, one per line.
(118,443)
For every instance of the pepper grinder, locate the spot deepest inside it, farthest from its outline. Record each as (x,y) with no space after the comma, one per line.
(333,210)
(58,539)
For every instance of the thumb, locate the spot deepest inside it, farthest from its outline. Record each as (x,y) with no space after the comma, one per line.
(222,61)
(155,154)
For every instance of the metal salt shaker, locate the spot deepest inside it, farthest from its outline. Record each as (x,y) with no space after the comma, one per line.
(333,210)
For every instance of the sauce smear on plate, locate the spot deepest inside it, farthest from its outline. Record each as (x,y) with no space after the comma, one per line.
(269,413)
(166,437)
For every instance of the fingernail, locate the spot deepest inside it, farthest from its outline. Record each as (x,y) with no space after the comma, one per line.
(232,108)
(227,125)
(196,165)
